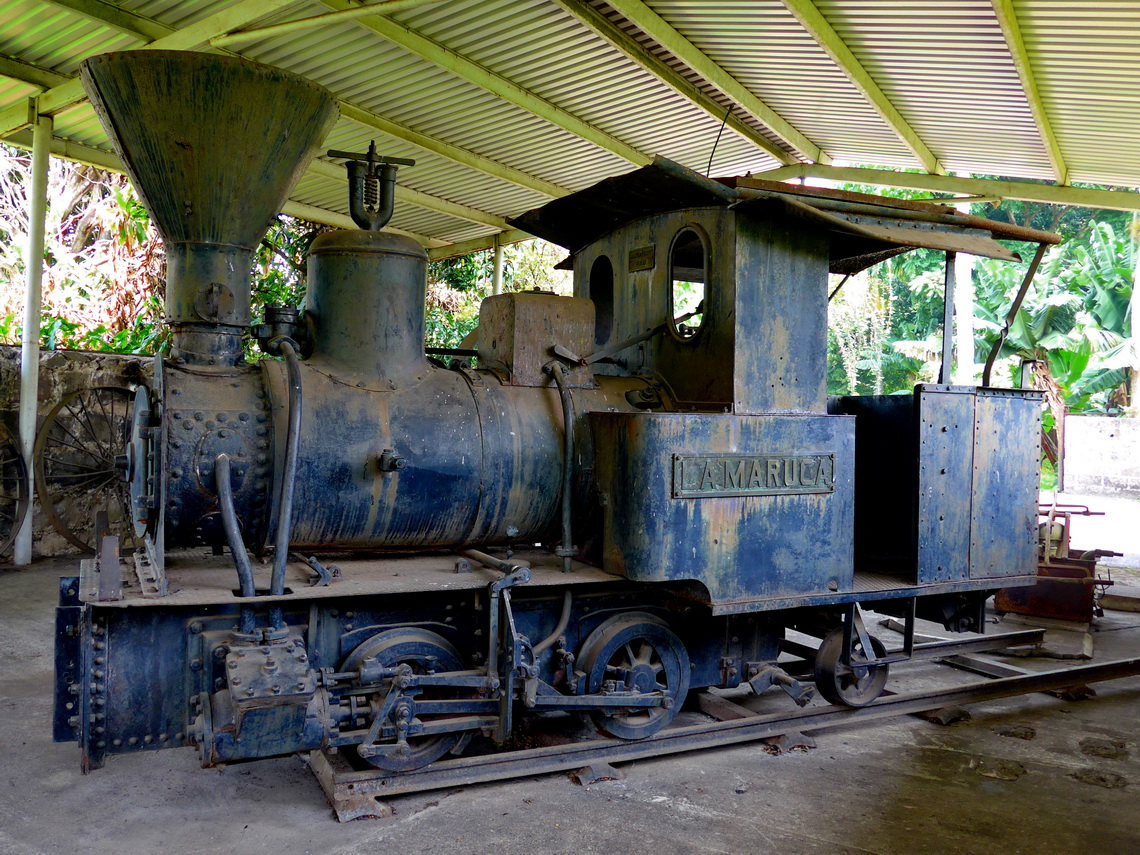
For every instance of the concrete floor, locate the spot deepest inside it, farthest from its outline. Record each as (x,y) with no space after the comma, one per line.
(907,786)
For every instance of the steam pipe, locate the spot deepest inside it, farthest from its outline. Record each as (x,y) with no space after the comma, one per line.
(230,524)
(566,551)
(233,538)
(563,622)
(289,473)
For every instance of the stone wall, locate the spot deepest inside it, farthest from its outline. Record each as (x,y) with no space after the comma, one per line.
(1102,455)
(61,373)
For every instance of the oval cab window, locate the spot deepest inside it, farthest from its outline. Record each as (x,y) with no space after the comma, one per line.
(602,293)
(688,269)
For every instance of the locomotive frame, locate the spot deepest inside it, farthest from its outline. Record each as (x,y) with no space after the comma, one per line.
(696,490)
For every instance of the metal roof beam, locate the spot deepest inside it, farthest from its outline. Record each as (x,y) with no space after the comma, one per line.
(1011,30)
(384,7)
(44,79)
(454,153)
(484,78)
(126,22)
(59,98)
(658,29)
(623,42)
(477,244)
(107,160)
(33,75)
(833,45)
(1050,194)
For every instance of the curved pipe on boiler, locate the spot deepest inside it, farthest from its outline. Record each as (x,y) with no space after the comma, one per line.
(563,622)
(289,474)
(567,550)
(233,537)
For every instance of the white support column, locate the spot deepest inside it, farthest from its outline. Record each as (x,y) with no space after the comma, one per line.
(497,278)
(964,373)
(30,353)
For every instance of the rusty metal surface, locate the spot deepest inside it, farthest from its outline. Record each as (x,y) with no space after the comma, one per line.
(517,334)
(847,200)
(196,577)
(1065,590)
(945,483)
(911,234)
(748,356)
(577,221)
(945,472)
(737,547)
(211,171)
(365,307)
(1007,455)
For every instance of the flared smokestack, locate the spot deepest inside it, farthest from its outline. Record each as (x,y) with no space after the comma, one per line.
(214,145)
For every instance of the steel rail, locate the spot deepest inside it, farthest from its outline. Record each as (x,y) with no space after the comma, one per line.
(351,786)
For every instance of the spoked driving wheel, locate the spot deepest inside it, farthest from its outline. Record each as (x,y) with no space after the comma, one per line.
(851,685)
(13,488)
(75,466)
(423,651)
(636,652)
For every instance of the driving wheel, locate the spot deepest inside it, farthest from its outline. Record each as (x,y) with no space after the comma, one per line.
(423,651)
(636,652)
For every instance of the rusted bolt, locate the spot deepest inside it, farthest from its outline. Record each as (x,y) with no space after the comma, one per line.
(196,626)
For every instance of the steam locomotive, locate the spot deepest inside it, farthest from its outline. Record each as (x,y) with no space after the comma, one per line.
(635,494)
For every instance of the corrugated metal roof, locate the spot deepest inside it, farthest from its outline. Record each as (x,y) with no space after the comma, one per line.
(503,102)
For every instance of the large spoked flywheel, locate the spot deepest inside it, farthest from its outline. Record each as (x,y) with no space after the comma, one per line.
(636,652)
(14,490)
(75,462)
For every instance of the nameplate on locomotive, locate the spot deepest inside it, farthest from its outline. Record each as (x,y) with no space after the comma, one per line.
(709,475)
(642,258)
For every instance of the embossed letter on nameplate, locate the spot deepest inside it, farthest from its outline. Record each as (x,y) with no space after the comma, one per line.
(642,257)
(699,477)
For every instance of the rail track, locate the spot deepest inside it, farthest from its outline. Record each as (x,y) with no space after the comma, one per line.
(356,793)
